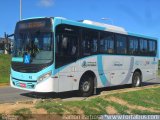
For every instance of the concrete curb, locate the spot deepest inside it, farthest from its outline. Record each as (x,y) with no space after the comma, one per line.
(128,89)
(124,90)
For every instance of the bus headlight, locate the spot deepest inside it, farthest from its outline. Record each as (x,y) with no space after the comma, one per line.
(45,76)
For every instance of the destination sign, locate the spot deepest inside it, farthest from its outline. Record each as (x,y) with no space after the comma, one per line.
(41,24)
(31,25)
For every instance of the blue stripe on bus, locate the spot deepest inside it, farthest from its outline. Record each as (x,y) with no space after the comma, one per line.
(59,69)
(143,36)
(31,18)
(56,21)
(17,59)
(101,71)
(75,23)
(35,76)
(70,22)
(66,21)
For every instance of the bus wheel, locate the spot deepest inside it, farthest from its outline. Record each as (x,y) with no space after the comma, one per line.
(86,86)
(136,79)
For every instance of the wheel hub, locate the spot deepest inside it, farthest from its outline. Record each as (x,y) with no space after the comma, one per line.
(86,86)
(137,81)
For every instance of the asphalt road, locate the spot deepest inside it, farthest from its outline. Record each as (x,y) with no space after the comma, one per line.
(9,95)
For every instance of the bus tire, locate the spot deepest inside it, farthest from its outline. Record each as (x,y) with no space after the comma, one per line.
(86,86)
(136,79)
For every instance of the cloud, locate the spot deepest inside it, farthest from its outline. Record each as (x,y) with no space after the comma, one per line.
(45,3)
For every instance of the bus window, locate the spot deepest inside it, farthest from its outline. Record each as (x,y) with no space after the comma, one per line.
(152,48)
(66,45)
(121,44)
(133,46)
(106,43)
(89,42)
(143,46)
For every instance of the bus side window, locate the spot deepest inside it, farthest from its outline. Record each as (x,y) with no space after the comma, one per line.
(143,47)
(66,45)
(106,43)
(133,46)
(121,44)
(89,42)
(66,49)
(152,48)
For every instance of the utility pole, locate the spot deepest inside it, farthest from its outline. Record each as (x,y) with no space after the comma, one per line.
(20,10)
(5,44)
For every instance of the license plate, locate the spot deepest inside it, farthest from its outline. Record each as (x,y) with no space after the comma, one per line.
(22,85)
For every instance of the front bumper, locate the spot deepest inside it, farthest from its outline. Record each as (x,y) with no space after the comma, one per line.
(48,85)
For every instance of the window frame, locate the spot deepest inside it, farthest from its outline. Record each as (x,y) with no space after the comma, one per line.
(123,35)
(61,32)
(143,53)
(83,31)
(155,47)
(115,52)
(137,38)
(113,38)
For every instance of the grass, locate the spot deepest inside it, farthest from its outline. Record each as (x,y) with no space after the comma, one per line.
(86,107)
(24,113)
(147,98)
(1,117)
(4,68)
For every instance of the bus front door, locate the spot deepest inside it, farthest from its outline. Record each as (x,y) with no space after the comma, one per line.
(66,56)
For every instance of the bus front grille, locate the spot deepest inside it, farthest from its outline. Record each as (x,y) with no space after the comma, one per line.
(28,68)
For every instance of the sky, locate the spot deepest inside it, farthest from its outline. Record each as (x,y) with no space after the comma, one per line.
(136,16)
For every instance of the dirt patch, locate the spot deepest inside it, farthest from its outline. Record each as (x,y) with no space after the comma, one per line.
(125,103)
(111,110)
(38,111)
(9,108)
(4,85)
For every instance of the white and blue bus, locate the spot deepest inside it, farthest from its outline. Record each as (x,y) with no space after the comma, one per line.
(57,55)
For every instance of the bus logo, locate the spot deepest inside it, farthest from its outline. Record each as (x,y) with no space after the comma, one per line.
(84,64)
(88,64)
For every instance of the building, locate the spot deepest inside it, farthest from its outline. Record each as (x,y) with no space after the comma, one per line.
(5,45)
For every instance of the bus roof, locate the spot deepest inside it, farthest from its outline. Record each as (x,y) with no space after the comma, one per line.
(108,27)
(104,27)
(98,26)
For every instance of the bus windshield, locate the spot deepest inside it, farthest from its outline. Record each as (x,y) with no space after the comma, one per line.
(36,44)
